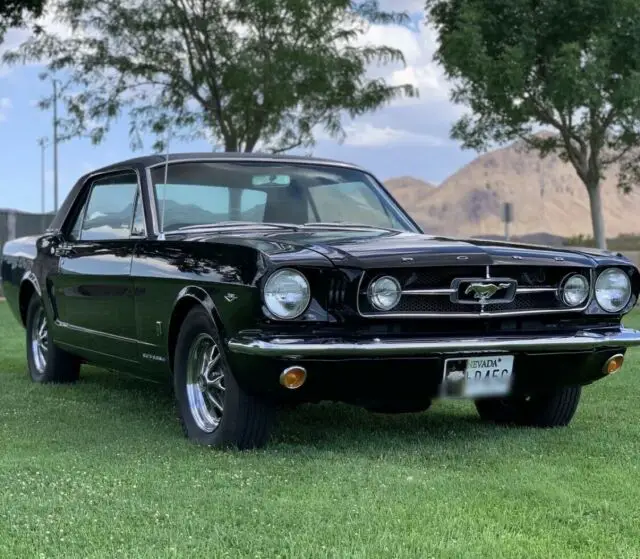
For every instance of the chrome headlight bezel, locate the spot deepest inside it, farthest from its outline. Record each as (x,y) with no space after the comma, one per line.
(573,278)
(599,289)
(271,293)
(375,291)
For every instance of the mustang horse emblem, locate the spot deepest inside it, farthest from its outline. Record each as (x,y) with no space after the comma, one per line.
(484,291)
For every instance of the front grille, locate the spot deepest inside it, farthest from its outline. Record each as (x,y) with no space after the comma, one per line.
(337,292)
(432,291)
(435,278)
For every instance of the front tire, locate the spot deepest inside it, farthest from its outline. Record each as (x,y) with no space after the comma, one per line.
(214,409)
(552,408)
(47,362)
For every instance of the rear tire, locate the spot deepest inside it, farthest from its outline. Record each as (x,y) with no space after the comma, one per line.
(214,409)
(552,408)
(47,362)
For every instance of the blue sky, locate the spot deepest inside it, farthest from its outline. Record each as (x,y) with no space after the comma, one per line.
(407,138)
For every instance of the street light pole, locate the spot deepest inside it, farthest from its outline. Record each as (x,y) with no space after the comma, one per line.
(42,142)
(55,145)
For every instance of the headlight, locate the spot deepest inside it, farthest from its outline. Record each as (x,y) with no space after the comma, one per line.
(384,293)
(613,290)
(575,290)
(287,293)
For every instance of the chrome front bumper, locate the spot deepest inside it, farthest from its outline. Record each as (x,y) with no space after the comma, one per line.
(375,347)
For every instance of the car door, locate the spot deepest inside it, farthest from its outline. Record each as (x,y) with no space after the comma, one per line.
(94,291)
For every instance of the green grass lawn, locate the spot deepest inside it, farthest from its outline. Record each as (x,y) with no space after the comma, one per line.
(101,469)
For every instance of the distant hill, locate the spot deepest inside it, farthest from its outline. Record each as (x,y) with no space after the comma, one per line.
(532,239)
(547,195)
(411,191)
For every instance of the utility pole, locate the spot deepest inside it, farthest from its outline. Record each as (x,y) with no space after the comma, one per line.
(43,143)
(507,217)
(55,145)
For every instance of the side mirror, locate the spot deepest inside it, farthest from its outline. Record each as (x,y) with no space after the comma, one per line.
(48,243)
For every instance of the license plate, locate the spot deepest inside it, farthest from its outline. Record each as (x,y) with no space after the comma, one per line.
(477,377)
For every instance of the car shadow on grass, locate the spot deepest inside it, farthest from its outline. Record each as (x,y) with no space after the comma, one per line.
(141,402)
(328,424)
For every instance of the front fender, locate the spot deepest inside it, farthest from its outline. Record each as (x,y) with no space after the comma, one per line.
(193,293)
(31,278)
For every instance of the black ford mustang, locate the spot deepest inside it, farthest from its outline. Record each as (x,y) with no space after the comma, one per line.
(256,281)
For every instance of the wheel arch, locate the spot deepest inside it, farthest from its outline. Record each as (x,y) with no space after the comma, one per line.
(28,286)
(187,299)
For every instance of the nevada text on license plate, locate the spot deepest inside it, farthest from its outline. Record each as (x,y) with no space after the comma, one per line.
(477,377)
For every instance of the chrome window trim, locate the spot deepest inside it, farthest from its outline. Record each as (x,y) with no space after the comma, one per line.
(153,203)
(400,213)
(483,313)
(286,161)
(138,202)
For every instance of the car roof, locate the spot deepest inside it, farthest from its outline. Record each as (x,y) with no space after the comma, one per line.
(155,159)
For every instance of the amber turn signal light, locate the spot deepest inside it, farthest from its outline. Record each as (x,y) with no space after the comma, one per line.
(293,377)
(613,364)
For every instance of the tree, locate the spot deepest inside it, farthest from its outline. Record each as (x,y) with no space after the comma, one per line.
(16,13)
(569,65)
(238,71)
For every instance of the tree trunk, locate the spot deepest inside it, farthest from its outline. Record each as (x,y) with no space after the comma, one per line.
(230,143)
(597,217)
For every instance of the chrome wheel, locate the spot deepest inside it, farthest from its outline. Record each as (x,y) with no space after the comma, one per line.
(40,341)
(205,383)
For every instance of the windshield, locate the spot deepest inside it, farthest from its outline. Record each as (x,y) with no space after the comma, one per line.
(209,192)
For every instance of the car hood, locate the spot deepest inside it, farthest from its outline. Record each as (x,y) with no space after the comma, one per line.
(380,249)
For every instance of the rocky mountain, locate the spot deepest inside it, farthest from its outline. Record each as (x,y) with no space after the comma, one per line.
(546,194)
(413,192)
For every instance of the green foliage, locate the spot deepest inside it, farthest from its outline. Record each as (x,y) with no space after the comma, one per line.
(236,71)
(16,13)
(621,243)
(569,65)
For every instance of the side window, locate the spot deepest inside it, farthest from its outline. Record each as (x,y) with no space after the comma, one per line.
(252,205)
(110,208)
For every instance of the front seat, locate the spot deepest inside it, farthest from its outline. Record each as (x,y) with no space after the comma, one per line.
(286,205)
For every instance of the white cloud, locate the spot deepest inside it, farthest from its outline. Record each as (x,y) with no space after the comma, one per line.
(5,106)
(421,70)
(365,134)
(424,120)
(410,6)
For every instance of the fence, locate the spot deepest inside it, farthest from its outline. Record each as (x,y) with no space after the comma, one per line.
(15,224)
(19,224)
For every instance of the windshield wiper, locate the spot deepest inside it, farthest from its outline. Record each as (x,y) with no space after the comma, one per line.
(226,224)
(346,224)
